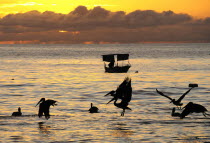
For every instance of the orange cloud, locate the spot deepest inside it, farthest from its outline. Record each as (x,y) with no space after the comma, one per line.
(99,25)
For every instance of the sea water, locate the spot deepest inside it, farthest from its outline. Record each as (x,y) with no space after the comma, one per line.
(74,76)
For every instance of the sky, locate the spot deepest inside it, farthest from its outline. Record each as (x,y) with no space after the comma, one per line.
(104,21)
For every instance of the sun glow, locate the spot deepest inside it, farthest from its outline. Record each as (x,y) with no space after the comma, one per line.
(199,8)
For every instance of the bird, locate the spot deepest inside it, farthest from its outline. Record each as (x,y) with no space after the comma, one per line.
(175,114)
(123,92)
(17,113)
(193,108)
(44,107)
(93,109)
(174,101)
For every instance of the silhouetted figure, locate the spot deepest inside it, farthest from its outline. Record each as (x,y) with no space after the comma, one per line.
(44,107)
(111,64)
(193,108)
(175,102)
(174,114)
(123,92)
(93,109)
(17,113)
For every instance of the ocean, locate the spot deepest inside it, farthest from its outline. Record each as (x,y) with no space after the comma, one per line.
(74,76)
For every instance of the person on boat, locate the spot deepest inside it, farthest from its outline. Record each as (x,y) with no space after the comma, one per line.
(111,64)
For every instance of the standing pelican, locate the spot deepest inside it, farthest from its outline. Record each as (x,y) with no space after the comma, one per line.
(174,101)
(17,113)
(44,107)
(193,108)
(123,92)
(93,109)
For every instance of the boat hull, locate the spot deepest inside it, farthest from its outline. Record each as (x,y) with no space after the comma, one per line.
(117,69)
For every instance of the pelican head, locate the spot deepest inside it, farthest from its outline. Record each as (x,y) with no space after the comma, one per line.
(19,109)
(41,100)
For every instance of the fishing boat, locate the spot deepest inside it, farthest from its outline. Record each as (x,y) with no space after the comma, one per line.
(119,66)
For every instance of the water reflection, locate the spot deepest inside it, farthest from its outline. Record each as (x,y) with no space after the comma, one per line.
(121,130)
(44,129)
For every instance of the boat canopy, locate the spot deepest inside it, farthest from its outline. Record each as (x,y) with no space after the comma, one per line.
(120,57)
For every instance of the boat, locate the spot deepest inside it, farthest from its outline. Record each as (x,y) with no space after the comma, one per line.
(116,67)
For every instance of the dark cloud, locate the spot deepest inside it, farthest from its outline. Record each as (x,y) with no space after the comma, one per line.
(100,25)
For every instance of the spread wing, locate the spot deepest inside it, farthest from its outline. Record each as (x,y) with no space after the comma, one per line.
(127,92)
(180,98)
(164,95)
(51,102)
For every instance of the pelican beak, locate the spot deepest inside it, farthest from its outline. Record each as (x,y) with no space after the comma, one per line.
(111,100)
(39,102)
(107,94)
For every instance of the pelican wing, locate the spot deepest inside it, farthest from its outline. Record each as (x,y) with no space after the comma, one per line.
(127,94)
(164,95)
(50,102)
(180,98)
(111,93)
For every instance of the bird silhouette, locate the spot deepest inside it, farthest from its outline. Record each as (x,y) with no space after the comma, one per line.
(193,108)
(123,92)
(93,109)
(122,89)
(17,113)
(174,101)
(175,114)
(44,107)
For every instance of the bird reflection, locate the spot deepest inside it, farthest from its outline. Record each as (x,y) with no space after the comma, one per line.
(17,113)
(193,108)
(93,109)
(121,130)
(44,107)
(174,101)
(123,92)
(44,128)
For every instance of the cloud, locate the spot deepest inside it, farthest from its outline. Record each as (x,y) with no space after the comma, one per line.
(101,25)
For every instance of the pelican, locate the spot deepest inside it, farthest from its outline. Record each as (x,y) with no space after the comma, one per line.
(44,107)
(174,101)
(17,113)
(174,114)
(123,88)
(193,108)
(93,109)
(123,92)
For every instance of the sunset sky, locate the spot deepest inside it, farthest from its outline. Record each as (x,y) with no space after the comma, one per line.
(104,21)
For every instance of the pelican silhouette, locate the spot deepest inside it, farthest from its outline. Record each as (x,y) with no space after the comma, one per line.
(44,107)
(122,89)
(174,101)
(175,114)
(17,113)
(123,92)
(93,109)
(193,108)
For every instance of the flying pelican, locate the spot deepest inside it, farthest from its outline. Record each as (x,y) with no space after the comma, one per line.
(44,107)
(93,109)
(122,89)
(193,108)
(174,101)
(17,113)
(123,92)
(174,114)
